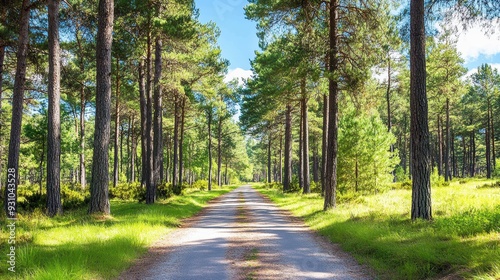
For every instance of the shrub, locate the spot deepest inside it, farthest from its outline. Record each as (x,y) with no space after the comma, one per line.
(30,198)
(128,191)
(200,185)
(164,191)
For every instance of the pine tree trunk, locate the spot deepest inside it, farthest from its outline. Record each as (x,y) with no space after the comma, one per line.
(333,89)
(447,170)
(133,152)
(83,175)
(17,111)
(209,120)
(300,168)
(175,184)
(117,125)
(150,186)
(493,152)
(269,172)
(440,146)
(287,179)
(420,154)
(472,156)
(99,200)
(324,142)
(388,101)
(305,144)
(181,140)
(158,116)
(488,140)
(54,206)
(219,151)
(316,163)
(2,58)
(280,163)
(143,104)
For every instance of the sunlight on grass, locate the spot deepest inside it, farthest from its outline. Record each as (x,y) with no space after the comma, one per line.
(79,246)
(463,239)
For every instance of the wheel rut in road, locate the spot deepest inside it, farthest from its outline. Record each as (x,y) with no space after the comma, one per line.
(242,235)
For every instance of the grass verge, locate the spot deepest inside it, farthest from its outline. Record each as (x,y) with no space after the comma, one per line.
(79,246)
(463,241)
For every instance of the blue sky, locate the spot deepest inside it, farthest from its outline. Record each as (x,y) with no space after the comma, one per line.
(238,39)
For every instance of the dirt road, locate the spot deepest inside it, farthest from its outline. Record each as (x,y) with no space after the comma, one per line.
(244,236)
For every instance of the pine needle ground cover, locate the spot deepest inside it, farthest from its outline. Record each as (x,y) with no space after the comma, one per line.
(462,241)
(79,246)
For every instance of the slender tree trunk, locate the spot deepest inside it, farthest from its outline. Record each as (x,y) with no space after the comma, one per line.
(158,116)
(117,125)
(269,172)
(209,120)
(83,175)
(440,145)
(12,177)
(99,199)
(466,159)
(305,145)
(181,140)
(300,168)
(316,163)
(175,184)
(2,58)
(219,151)
(472,156)
(133,150)
(287,179)
(129,148)
(333,88)
(388,101)
(280,166)
(54,205)
(150,186)
(40,168)
(488,140)
(493,152)
(447,171)
(324,142)
(420,155)
(144,112)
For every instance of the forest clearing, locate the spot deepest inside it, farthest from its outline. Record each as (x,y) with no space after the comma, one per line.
(373,121)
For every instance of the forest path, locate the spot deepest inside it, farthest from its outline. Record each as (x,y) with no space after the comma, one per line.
(242,235)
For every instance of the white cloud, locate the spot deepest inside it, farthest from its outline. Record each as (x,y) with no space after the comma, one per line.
(238,73)
(474,42)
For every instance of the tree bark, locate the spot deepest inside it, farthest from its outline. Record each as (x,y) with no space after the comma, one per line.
(133,151)
(99,200)
(269,172)
(175,184)
(420,150)
(2,58)
(143,105)
(305,145)
(209,120)
(117,125)
(83,175)
(440,145)
(17,111)
(158,115)
(333,89)
(181,141)
(150,186)
(219,150)
(488,140)
(287,178)
(54,206)
(447,170)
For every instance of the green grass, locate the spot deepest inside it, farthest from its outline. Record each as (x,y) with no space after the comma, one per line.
(463,240)
(79,246)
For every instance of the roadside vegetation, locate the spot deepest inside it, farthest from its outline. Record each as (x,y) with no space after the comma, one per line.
(462,241)
(79,246)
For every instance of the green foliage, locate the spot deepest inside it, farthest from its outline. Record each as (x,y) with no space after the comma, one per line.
(365,162)
(200,185)
(30,199)
(127,191)
(437,180)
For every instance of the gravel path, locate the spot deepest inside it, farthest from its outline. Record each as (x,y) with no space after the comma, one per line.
(243,236)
